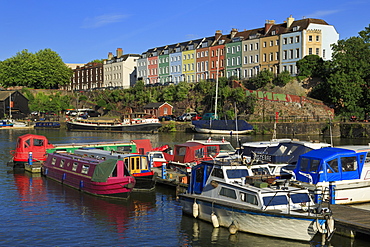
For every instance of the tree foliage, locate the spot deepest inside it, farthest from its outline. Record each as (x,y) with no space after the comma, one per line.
(310,66)
(43,69)
(346,85)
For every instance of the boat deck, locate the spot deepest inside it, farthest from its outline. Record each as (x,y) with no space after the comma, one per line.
(350,221)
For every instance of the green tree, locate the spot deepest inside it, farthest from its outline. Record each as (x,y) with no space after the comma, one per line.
(283,78)
(262,79)
(44,69)
(347,84)
(311,66)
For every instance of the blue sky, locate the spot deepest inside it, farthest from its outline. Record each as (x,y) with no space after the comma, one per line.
(81,31)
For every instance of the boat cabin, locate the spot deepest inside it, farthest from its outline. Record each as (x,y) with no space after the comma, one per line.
(135,163)
(286,151)
(229,182)
(331,164)
(193,152)
(27,143)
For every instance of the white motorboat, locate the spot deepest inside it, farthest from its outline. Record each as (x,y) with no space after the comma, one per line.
(231,196)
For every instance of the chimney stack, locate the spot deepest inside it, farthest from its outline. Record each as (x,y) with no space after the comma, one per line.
(218,34)
(233,32)
(289,21)
(110,56)
(119,52)
(268,25)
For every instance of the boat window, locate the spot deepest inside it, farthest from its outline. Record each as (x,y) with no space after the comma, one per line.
(199,175)
(314,166)
(211,151)
(182,151)
(144,163)
(275,200)
(348,163)
(228,192)
(333,166)
(74,167)
(237,173)
(157,156)
(226,148)
(252,199)
(300,198)
(260,171)
(127,164)
(27,143)
(199,153)
(53,161)
(61,164)
(135,163)
(304,164)
(127,149)
(85,169)
(362,157)
(38,142)
(217,172)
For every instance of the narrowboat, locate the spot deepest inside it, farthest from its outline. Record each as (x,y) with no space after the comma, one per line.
(227,195)
(39,146)
(340,175)
(107,178)
(137,164)
(47,125)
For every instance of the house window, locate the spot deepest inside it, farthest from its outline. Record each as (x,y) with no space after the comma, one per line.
(246,60)
(256,61)
(256,45)
(285,54)
(310,38)
(317,51)
(251,47)
(309,51)
(264,44)
(317,38)
(297,53)
(290,54)
(264,57)
(297,39)
(271,56)
(285,41)
(271,43)
(291,40)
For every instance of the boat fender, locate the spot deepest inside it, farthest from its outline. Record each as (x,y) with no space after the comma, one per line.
(330,225)
(129,186)
(320,226)
(81,184)
(195,209)
(232,228)
(214,220)
(64,177)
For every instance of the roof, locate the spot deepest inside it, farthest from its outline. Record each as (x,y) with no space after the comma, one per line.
(327,153)
(5,94)
(155,105)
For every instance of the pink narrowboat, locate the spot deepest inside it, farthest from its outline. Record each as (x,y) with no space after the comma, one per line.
(108,178)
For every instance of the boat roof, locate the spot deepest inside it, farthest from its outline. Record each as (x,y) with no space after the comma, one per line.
(327,153)
(210,142)
(100,154)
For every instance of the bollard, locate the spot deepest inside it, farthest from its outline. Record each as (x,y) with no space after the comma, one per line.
(163,170)
(30,158)
(332,193)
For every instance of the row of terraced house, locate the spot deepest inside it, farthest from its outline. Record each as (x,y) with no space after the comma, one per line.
(242,54)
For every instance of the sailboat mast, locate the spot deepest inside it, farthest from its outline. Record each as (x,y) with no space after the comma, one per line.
(217,68)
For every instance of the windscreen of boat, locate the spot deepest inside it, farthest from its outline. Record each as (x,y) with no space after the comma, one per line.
(237,173)
(300,198)
(227,148)
(275,200)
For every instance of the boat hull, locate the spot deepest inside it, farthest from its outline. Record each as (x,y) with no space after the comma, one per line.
(144,182)
(144,127)
(223,132)
(251,220)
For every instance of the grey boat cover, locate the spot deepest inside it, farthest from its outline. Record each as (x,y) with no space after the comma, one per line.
(230,125)
(104,170)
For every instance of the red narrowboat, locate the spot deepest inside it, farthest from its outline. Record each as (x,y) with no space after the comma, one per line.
(108,178)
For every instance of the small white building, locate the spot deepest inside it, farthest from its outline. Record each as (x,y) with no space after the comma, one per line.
(120,70)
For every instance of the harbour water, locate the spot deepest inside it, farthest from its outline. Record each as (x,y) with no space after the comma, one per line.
(40,212)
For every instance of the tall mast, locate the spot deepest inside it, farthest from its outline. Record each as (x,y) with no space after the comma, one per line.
(217,67)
